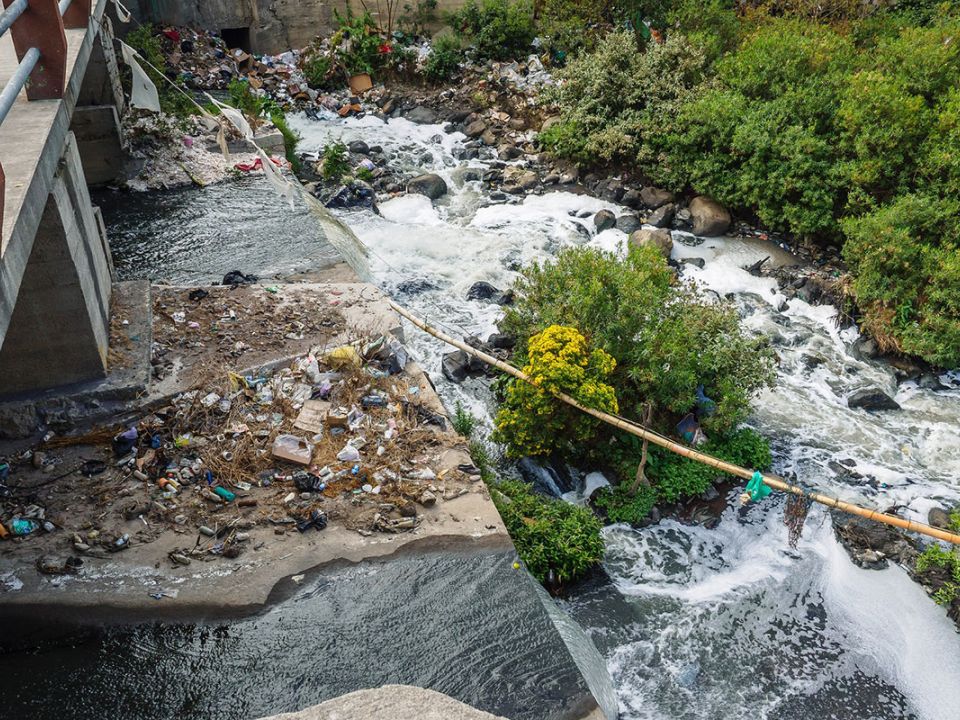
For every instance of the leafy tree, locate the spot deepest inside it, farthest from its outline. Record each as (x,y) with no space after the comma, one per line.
(667,339)
(498,29)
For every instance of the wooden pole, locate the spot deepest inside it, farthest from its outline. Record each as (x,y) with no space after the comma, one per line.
(657,439)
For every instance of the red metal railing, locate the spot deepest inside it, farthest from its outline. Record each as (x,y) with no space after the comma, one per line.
(37,30)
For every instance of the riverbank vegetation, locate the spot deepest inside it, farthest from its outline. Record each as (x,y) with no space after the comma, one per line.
(836,122)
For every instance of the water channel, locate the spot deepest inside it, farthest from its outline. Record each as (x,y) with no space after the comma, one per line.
(692,623)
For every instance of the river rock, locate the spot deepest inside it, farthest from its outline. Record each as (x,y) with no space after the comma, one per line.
(604,220)
(359,147)
(869,543)
(872,399)
(475,129)
(488,137)
(517,180)
(549,122)
(484,291)
(695,261)
(710,218)
(628,223)
(662,216)
(655,197)
(930,381)
(509,152)
(631,198)
(433,186)
(463,174)
(455,366)
(938,517)
(422,116)
(501,341)
(660,239)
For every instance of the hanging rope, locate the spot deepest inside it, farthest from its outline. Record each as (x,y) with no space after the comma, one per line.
(769,481)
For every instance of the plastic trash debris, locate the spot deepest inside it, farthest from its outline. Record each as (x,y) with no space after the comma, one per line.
(292,448)
(343,356)
(225,494)
(318,521)
(124,442)
(23,526)
(348,454)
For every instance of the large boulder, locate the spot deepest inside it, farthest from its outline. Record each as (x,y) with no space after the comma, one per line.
(710,218)
(655,197)
(872,399)
(604,220)
(433,186)
(659,239)
(938,518)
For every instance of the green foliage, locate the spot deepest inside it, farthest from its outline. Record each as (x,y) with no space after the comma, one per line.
(935,556)
(463,422)
(336,161)
(146,41)
(676,477)
(905,257)
(530,420)
(617,98)
(318,69)
(290,137)
(620,506)
(444,58)
(666,339)
(498,29)
(357,42)
(550,535)
(565,139)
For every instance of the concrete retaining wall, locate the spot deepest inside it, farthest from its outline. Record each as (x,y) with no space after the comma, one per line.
(274,25)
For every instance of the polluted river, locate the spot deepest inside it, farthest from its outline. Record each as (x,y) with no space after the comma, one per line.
(728,622)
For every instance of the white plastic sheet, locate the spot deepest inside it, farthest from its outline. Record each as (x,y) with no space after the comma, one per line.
(143,93)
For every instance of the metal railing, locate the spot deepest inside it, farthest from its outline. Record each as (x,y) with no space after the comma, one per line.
(37,30)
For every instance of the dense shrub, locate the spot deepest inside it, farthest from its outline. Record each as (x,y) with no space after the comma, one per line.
(615,97)
(444,58)
(905,258)
(531,421)
(147,42)
(666,339)
(498,29)
(318,69)
(621,506)
(551,535)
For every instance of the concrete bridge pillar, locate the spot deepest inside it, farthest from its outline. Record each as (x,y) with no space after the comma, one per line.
(59,330)
(96,117)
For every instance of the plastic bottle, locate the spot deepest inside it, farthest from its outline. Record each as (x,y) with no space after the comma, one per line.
(23,526)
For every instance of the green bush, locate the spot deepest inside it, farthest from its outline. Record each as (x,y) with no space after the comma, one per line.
(531,421)
(318,70)
(550,535)
(444,58)
(357,42)
(905,257)
(667,339)
(463,422)
(336,161)
(675,477)
(498,29)
(620,506)
(617,98)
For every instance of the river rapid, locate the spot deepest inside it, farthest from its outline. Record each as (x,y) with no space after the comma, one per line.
(692,623)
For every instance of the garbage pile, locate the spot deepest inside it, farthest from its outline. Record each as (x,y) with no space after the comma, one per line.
(339,435)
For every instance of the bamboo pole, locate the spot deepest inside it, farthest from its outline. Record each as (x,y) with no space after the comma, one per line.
(773,481)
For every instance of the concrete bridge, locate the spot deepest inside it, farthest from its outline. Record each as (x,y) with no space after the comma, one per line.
(60,134)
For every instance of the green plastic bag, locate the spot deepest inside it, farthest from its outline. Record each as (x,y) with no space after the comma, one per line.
(756,488)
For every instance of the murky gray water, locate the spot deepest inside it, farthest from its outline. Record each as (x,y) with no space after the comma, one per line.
(467,625)
(197,235)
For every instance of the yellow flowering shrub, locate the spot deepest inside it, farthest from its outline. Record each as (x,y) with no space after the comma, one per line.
(531,421)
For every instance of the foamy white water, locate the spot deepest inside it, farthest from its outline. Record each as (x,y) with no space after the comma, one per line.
(709,623)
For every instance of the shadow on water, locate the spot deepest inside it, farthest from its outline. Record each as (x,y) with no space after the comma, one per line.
(467,625)
(197,235)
